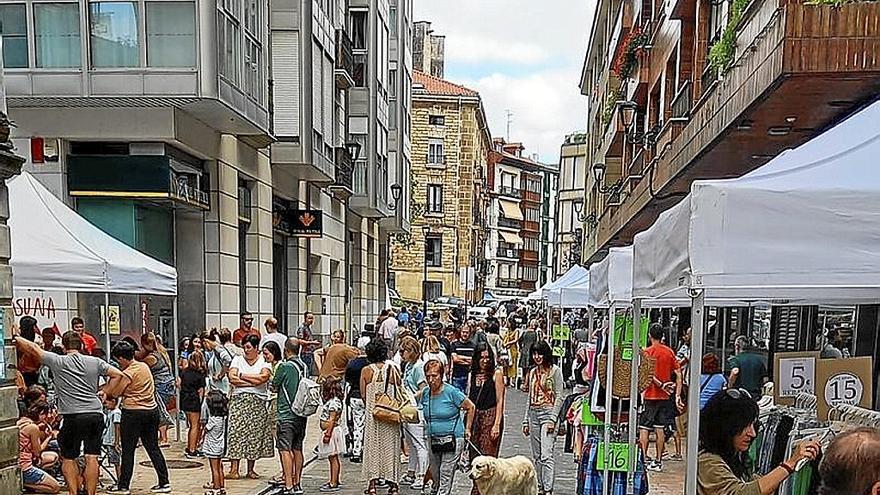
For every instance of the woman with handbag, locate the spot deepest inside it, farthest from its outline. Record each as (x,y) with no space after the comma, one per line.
(487,394)
(249,434)
(380,380)
(544,402)
(414,433)
(443,405)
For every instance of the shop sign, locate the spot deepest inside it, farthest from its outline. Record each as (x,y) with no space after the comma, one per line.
(618,457)
(281,216)
(844,381)
(795,373)
(49,308)
(113,319)
(307,223)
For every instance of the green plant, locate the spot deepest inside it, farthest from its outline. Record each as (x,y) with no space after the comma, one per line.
(611,100)
(723,51)
(625,63)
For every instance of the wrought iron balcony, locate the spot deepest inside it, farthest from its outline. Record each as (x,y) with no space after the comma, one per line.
(510,191)
(511,253)
(344,183)
(344,70)
(509,223)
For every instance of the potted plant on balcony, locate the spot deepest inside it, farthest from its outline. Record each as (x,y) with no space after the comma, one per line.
(627,59)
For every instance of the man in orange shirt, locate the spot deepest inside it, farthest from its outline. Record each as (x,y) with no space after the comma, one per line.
(660,403)
(246,328)
(89,342)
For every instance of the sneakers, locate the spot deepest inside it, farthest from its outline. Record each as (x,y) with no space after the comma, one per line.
(328,488)
(296,490)
(160,489)
(417,485)
(654,466)
(356,459)
(191,455)
(115,490)
(407,480)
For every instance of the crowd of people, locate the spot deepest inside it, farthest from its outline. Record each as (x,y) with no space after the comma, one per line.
(248,394)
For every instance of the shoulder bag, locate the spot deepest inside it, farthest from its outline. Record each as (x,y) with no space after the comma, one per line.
(442,444)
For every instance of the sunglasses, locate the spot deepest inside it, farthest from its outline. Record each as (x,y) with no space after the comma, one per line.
(738,393)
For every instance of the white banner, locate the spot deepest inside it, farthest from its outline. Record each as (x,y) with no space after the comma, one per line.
(48,307)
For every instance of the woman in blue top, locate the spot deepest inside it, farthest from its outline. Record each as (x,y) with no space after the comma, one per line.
(414,434)
(712,380)
(442,405)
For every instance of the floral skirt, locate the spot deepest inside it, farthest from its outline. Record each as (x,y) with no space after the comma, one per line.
(250,431)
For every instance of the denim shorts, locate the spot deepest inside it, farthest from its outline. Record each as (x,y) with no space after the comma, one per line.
(33,475)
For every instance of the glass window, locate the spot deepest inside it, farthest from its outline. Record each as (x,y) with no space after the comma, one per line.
(171,34)
(435,198)
(434,250)
(392,21)
(435,152)
(113,34)
(436,120)
(359,29)
(13,27)
(433,290)
(57,36)
(252,17)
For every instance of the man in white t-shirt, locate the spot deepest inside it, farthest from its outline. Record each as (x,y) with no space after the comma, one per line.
(272,334)
(388,330)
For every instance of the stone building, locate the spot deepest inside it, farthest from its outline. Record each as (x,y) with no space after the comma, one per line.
(429,50)
(570,203)
(451,142)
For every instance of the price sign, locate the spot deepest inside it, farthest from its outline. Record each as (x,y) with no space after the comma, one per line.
(618,457)
(587,416)
(559,351)
(843,381)
(627,354)
(561,332)
(795,372)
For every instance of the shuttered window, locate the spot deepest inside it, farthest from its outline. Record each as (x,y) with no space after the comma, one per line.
(285,72)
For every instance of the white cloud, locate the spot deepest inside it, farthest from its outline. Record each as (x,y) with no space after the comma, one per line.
(521,55)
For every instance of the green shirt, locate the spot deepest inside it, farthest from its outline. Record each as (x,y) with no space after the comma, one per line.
(714,477)
(752,370)
(286,382)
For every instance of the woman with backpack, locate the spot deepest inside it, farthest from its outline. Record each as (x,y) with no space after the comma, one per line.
(250,435)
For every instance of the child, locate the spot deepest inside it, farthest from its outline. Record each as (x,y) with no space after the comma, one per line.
(111,440)
(214,410)
(333,442)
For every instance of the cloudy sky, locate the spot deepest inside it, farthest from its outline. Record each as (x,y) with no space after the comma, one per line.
(521,55)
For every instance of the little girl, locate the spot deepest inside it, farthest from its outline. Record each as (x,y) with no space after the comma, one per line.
(214,411)
(333,442)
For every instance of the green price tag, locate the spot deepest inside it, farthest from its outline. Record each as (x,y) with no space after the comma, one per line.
(561,332)
(618,457)
(587,416)
(627,354)
(559,351)
(626,325)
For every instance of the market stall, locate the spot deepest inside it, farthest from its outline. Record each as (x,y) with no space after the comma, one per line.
(804,229)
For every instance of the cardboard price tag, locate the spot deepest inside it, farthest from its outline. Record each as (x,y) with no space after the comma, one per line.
(795,372)
(844,381)
(561,332)
(618,457)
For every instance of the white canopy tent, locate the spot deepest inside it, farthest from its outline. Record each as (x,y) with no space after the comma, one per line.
(611,281)
(804,229)
(570,290)
(55,248)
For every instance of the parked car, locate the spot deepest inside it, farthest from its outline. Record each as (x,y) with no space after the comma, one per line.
(447,302)
(481,310)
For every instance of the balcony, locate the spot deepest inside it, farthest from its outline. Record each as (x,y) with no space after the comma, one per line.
(343,186)
(507,283)
(529,257)
(531,196)
(344,71)
(370,198)
(508,223)
(528,285)
(509,253)
(797,68)
(435,161)
(510,191)
(531,226)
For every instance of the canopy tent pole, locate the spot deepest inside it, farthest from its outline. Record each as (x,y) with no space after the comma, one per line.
(693,401)
(634,394)
(107,325)
(176,365)
(609,380)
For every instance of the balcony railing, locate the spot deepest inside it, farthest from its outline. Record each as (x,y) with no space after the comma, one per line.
(507,283)
(531,196)
(528,285)
(344,61)
(510,191)
(531,226)
(509,223)
(527,255)
(435,160)
(508,253)
(683,102)
(344,171)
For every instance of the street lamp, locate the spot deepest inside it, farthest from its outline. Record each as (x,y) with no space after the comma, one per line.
(396,192)
(599,174)
(579,210)
(354,150)
(426,229)
(627,116)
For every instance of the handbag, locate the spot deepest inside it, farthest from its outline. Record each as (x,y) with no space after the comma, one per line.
(387,408)
(623,371)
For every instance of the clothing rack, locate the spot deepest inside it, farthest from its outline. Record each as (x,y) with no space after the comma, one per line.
(806,401)
(854,415)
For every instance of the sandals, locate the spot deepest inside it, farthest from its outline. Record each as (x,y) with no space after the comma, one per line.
(216,491)
(251,475)
(232,476)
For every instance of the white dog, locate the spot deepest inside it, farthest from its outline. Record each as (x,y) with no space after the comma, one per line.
(514,476)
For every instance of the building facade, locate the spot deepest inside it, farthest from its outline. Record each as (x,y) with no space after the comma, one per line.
(570,203)
(201,134)
(429,50)
(444,255)
(516,186)
(693,89)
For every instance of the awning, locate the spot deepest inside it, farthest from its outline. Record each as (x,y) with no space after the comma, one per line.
(511,237)
(510,210)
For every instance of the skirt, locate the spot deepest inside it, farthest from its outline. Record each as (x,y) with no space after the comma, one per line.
(336,446)
(250,433)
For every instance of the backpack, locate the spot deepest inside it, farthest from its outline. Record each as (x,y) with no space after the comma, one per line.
(308,394)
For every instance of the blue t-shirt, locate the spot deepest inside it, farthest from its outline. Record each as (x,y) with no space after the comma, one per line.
(443,412)
(709,386)
(414,375)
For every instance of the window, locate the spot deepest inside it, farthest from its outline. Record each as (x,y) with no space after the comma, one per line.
(56,34)
(530,243)
(171,34)
(114,34)
(433,290)
(532,214)
(13,27)
(359,30)
(229,41)
(435,152)
(507,180)
(435,198)
(436,120)
(392,21)
(434,250)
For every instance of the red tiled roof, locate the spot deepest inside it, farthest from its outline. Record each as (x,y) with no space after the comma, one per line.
(436,86)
